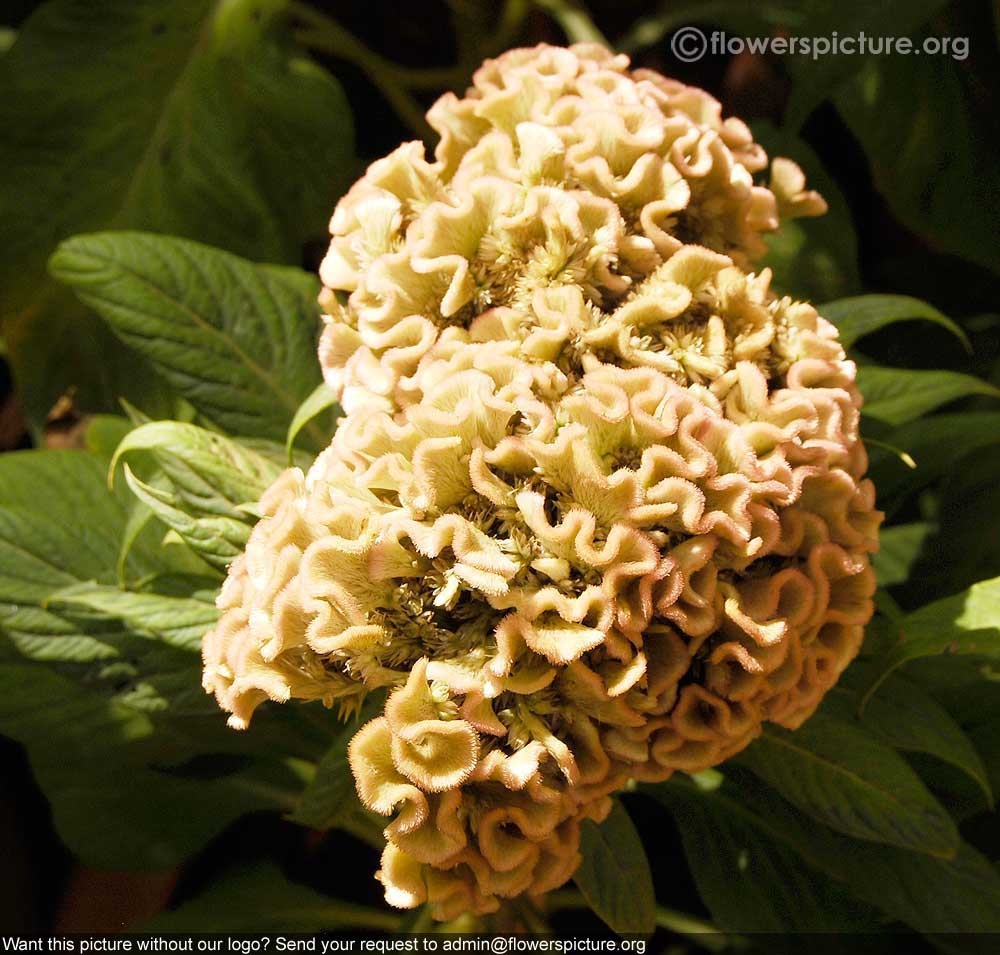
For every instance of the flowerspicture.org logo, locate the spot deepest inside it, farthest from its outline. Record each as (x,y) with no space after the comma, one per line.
(690,44)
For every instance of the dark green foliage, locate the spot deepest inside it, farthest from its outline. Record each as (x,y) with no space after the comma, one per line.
(221,130)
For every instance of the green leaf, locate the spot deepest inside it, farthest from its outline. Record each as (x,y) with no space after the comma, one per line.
(849,781)
(262,899)
(218,540)
(924,143)
(860,315)
(813,258)
(906,717)
(38,634)
(968,622)
(59,526)
(898,549)
(816,78)
(235,339)
(206,487)
(319,401)
(109,808)
(749,880)
(101,708)
(208,473)
(614,875)
(180,621)
(930,894)
(198,118)
(897,395)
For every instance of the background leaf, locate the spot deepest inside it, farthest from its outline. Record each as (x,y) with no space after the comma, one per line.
(232,137)
(235,339)
(898,395)
(842,777)
(861,315)
(108,729)
(930,894)
(613,857)
(906,717)
(937,444)
(330,795)
(750,880)
(968,622)
(926,158)
(180,621)
(818,77)
(898,549)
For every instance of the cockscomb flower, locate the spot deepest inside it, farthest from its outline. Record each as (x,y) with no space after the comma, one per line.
(559,170)
(597,522)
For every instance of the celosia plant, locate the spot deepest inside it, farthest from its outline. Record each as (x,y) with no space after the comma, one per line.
(597,509)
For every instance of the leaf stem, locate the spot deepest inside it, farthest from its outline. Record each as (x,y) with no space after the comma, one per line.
(321,32)
(573,20)
(892,449)
(325,34)
(697,930)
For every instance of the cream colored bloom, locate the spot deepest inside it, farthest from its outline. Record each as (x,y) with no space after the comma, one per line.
(558,170)
(597,511)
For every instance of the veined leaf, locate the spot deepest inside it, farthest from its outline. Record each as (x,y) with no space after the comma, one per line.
(215,538)
(749,880)
(930,894)
(906,717)
(206,483)
(180,621)
(196,117)
(852,783)
(898,395)
(209,473)
(968,622)
(614,875)
(860,315)
(39,634)
(59,525)
(101,726)
(235,339)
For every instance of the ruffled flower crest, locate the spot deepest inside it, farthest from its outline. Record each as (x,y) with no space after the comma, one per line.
(597,510)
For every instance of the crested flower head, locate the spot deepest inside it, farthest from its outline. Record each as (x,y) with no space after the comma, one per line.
(559,170)
(597,511)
